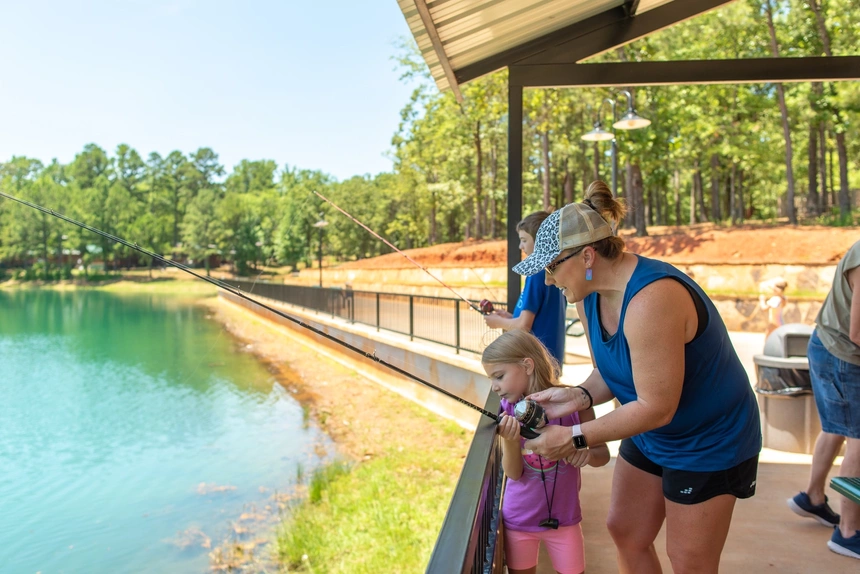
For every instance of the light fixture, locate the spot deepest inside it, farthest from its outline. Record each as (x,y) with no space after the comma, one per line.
(631,121)
(598,134)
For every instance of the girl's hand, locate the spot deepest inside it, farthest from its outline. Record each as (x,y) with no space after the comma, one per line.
(579,458)
(559,401)
(509,428)
(554,442)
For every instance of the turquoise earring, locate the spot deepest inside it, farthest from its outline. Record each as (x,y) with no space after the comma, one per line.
(588,274)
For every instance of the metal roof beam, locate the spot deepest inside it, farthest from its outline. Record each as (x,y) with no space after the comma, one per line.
(433,34)
(744,71)
(603,39)
(503,59)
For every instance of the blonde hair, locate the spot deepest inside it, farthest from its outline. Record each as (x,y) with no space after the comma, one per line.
(599,197)
(514,346)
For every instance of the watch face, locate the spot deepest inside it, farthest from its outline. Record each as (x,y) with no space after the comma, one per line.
(579,442)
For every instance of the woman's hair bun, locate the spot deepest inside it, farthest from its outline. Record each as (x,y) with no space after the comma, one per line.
(599,196)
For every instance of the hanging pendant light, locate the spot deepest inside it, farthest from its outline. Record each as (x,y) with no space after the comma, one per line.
(631,121)
(598,134)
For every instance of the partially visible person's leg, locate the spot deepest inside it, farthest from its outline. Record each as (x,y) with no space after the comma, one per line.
(850,468)
(521,551)
(696,534)
(566,549)
(636,513)
(827,446)
(813,502)
(846,538)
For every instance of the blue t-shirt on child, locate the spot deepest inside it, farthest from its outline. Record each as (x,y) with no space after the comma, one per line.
(549,306)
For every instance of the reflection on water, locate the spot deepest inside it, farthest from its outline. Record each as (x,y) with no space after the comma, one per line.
(132,434)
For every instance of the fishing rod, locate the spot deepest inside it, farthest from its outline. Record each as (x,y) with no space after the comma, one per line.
(481,308)
(528,433)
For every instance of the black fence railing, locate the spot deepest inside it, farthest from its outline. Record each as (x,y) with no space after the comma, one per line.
(444,320)
(467,542)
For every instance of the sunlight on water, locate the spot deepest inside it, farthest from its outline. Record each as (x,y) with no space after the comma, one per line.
(131,433)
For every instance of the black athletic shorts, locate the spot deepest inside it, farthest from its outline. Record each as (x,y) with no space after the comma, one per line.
(688,487)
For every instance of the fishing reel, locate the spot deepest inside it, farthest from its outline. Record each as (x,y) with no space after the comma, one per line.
(486,306)
(531,416)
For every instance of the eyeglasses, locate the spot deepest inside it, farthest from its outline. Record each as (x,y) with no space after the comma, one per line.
(550,269)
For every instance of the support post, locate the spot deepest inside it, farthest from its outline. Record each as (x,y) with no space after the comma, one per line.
(515,187)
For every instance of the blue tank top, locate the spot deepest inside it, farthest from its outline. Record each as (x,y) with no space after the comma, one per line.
(716,425)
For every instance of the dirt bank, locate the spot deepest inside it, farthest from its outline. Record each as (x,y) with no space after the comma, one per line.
(363,418)
(704,243)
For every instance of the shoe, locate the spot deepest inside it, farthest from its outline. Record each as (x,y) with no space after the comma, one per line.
(845,546)
(802,506)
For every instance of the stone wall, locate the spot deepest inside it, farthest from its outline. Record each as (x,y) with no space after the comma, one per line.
(745,314)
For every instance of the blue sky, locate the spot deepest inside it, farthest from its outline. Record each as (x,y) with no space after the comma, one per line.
(309,84)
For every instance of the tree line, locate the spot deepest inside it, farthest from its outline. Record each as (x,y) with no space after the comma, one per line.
(722,153)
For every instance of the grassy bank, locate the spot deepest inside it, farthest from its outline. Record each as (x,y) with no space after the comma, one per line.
(380,510)
(382,515)
(123,284)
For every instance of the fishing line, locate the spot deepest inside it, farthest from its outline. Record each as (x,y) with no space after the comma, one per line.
(388,243)
(250,290)
(478,275)
(237,292)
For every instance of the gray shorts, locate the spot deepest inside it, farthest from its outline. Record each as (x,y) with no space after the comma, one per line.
(836,385)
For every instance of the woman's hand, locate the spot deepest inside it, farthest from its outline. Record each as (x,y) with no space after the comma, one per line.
(509,428)
(560,401)
(554,443)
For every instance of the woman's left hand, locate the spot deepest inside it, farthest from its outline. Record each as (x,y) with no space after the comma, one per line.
(554,443)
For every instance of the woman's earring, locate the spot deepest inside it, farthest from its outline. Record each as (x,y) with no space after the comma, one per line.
(588,274)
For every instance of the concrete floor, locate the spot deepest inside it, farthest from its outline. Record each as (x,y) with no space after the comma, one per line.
(765,535)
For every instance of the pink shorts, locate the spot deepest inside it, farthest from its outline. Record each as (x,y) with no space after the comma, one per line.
(565,547)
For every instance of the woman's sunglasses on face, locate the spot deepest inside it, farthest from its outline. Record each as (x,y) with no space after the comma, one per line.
(550,269)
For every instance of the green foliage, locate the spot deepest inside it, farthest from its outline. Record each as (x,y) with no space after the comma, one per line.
(449,177)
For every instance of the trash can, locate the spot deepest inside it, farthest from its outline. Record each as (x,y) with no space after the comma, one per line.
(789,418)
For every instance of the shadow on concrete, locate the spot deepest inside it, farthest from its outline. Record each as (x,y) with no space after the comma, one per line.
(765,535)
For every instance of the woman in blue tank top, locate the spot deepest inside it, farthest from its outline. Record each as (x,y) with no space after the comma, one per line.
(688,417)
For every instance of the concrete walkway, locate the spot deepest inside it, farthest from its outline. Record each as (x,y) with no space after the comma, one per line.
(765,535)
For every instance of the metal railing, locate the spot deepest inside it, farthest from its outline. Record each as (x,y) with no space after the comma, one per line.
(444,320)
(467,540)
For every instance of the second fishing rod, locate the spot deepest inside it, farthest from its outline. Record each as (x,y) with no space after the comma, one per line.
(534,418)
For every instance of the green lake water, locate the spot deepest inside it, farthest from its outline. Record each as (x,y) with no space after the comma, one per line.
(115,410)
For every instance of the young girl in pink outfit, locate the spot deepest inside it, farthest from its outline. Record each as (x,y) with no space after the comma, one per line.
(541,500)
